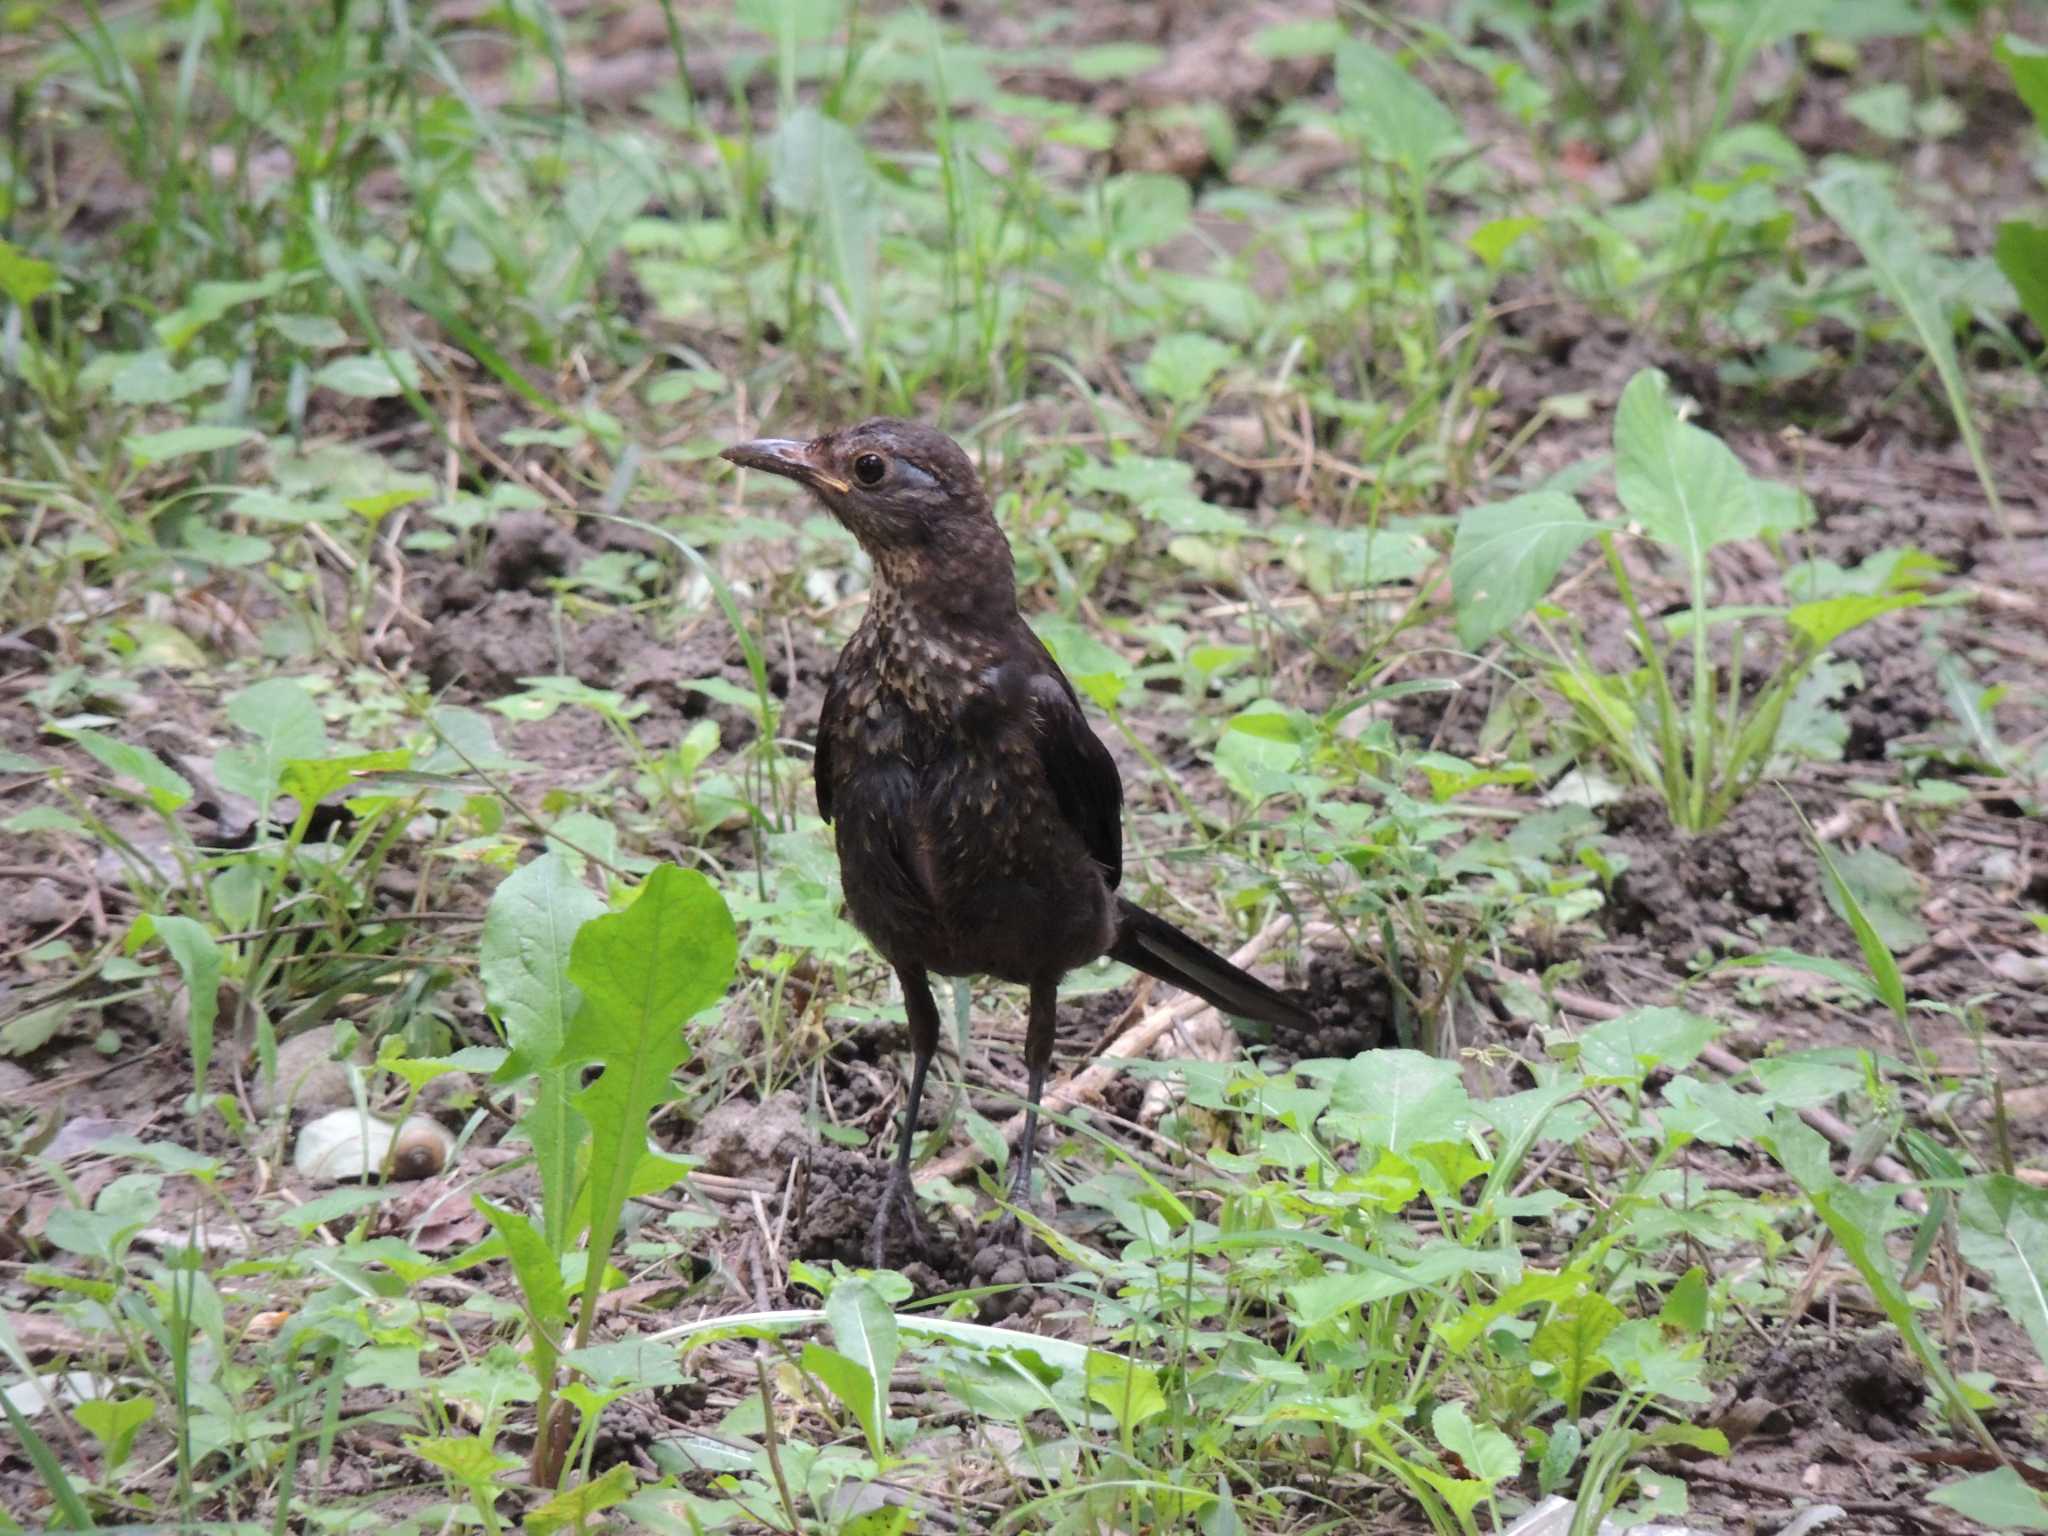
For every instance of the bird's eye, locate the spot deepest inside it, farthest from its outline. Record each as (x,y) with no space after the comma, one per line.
(869,468)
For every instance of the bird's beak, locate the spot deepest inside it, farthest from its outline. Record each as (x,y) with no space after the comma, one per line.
(786,456)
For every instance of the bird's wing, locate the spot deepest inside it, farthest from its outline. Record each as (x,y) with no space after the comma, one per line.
(1085,783)
(829,718)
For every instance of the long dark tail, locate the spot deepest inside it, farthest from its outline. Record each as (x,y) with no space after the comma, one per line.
(1153,945)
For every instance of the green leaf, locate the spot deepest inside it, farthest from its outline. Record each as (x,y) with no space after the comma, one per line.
(1685,1304)
(529,929)
(1127,1390)
(644,973)
(1400,1099)
(1489,1455)
(114,1422)
(1877,955)
(1886,892)
(865,1331)
(2022,255)
(2028,62)
(1824,622)
(1999,1499)
(1860,202)
(466,1458)
(24,278)
(70,1506)
(1507,554)
(209,301)
(1492,241)
(1684,485)
(1113,61)
(1570,1345)
(1395,115)
(286,723)
(1641,1041)
(368,376)
(851,1382)
(2004,1228)
(1098,671)
(819,170)
(535,1264)
(200,962)
(167,789)
(151,378)
(1558,1456)
(1181,366)
(574,1506)
(180,442)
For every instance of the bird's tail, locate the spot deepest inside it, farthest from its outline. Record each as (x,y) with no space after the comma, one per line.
(1153,945)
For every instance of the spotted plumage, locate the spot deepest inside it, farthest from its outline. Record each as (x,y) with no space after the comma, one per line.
(979,819)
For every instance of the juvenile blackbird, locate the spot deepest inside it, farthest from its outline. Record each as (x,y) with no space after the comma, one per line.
(979,819)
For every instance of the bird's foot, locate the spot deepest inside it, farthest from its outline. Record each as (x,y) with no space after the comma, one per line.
(899,1204)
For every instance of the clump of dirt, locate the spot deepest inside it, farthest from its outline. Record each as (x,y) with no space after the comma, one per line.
(529,549)
(1677,888)
(1828,1384)
(842,1191)
(1900,695)
(1352,1003)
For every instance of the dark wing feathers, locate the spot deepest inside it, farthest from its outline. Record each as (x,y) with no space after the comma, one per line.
(1085,783)
(821,754)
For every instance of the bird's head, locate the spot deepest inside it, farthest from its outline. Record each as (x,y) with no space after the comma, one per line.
(906,491)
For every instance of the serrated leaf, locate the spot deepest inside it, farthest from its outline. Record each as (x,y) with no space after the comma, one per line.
(644,973)
(1180,366)
(1507,554)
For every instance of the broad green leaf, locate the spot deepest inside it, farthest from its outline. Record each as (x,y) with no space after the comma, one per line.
(180,442)
(2028,62)
(1113,61)
(1098,671)
(1684,485)
(1492,241)
(167,789)
(152,378)
(200,962)
(1886,892)
(1126,1389)
(2022,255)
(1396,116)
(1685,1304)
(1821,624)
(1181,366)
(574,1506)
(2004,1226)
(1570,1345)
(465,1458)
(644,973)
(1400,1099)
(865,1331)
(1489,1455)
(1559,1455)
(1506,556)
(819,170)
(368,376)
(209,301)
(1999,1499)
(855,1387)
(536,1265)
(1640,1042)
(1859,201)
(1537,1287)
(529,927)
(114,1422)
(285,722)
(309,780)
(24,278)
(1877,955)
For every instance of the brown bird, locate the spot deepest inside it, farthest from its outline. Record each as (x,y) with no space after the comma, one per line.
(979,819)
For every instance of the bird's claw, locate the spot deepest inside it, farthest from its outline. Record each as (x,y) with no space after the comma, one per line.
(898,1200)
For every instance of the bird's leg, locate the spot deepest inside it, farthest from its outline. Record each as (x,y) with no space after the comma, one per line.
(1038,1042)
(897,1198)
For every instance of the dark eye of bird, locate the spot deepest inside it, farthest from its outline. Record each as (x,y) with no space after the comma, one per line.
(869,468)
